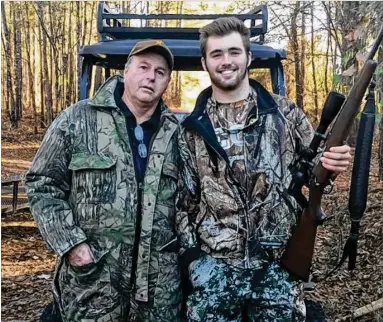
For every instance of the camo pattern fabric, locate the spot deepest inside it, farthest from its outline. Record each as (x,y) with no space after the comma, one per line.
(146,312)
(224,293)
(229,122)
(246,220)
(82,188)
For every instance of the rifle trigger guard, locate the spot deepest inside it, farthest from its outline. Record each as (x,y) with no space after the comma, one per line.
(329,187)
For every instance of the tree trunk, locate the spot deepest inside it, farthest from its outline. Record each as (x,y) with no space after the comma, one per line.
(47,83)
(93,10)
(8,57)
(18,63)
(69,73)
(173,93)
(316,104)
(64,60)
(303,57)
(51,75)
(85,23)
(295,48)
(381,147)
(78,36)
(57,60)
(41,72)
(5,98)
(29,64)
(327,49)
(55,24)
(97,79)
(379,89)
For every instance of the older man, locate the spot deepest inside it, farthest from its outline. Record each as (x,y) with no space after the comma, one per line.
(102,191)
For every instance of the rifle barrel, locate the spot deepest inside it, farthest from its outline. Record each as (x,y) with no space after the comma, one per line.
(343,122)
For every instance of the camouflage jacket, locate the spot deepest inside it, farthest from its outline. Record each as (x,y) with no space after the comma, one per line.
(243,224)
(82,188)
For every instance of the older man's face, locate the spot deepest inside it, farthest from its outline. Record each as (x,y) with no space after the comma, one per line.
(146,78)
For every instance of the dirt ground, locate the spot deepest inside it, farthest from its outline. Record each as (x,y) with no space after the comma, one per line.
(26,269)
(345,291)
(27,265)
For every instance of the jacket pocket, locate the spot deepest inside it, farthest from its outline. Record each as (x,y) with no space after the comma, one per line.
(168,186)
(94,178)
(168,286)
(86,291)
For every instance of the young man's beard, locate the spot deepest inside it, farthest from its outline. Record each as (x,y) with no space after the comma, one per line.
(233,84)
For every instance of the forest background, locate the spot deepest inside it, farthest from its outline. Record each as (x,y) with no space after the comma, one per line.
(326,43)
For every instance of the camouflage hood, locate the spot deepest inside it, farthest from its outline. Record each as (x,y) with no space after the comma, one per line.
(105,94)
(246,223)
(104,97)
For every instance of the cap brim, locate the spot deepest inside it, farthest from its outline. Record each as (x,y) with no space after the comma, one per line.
(161,51)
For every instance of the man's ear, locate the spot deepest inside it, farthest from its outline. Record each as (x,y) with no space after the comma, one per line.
(127,64)
(249,56)
(125,71)
(203,62)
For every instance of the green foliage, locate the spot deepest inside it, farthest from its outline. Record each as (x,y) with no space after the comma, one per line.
(379,71)
(348,59)
(378,118)
(203,6)
(336,80)
(230,8)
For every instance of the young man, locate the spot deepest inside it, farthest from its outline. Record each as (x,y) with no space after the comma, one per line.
(238,215)
(102,190)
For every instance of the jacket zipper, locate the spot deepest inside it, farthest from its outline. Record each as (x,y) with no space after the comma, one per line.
(140,186)
(244,205)
(246,202)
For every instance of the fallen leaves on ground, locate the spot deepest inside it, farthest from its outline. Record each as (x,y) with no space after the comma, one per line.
(345,291)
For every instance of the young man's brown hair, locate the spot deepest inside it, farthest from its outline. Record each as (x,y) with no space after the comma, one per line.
(222,27)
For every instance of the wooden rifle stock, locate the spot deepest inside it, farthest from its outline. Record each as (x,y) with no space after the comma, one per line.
(299,250)
(300,247)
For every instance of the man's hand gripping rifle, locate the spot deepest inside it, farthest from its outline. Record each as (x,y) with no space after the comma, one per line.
(299,250)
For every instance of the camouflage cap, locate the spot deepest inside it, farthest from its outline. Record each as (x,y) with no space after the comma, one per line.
(153,45)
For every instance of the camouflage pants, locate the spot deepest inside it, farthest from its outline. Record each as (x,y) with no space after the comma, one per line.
(223,293)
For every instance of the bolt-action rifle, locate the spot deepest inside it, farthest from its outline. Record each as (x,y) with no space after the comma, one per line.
(299,250)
